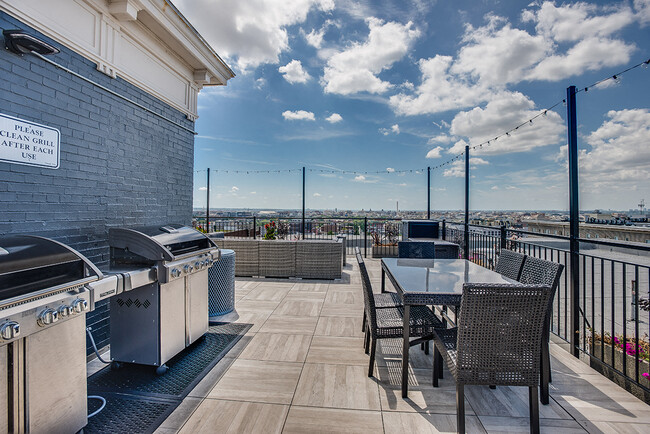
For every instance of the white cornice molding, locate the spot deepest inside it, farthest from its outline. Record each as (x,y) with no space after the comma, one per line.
(145,42)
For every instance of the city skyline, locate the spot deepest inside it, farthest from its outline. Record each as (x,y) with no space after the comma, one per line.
(345,86)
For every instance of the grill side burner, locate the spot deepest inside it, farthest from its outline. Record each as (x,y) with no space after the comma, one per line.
(44,295)
(166,308)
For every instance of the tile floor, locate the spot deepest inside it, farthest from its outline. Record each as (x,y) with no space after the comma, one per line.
(302,369)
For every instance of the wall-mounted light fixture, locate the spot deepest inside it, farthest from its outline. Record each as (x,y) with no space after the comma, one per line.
(19,42)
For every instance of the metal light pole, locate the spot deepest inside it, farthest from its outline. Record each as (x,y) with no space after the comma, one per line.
(428,193)
(466,246)
(574,217)
(207,205)
(303,203)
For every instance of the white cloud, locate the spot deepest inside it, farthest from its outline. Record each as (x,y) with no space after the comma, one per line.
(334,118)
(360,178)
(457,168)
(394,129)
(501,114)
(317,195)
(435,152)
(642,8)
(440,138)
(575,21)
(234,189)
(567,40)
(494,187)
(252,32)
(293,72)
(403,184)
(260,83)
(203,188)
(298,115)
(439,91)
(355,69)
(253,192)
(618,157)
(315,37)
(390,170)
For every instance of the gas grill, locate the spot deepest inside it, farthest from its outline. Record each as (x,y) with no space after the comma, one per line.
(164,306)
(44,295)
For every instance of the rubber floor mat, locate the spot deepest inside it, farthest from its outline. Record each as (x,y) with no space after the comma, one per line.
(138,400)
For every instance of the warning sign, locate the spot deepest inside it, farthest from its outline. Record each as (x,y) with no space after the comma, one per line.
(24,142)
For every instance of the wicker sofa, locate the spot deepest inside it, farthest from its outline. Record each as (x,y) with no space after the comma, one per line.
(308,259)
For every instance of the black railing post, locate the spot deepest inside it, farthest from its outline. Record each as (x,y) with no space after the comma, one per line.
(503,238)
(207,205)
(303,203)
(254,227)
(365,237)
(466,243)
(428,193)
(444,229)
(574,218)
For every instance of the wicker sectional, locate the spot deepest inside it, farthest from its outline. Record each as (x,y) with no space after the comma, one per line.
(310,259)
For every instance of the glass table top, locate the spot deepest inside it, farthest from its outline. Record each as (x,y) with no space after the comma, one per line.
(443,276)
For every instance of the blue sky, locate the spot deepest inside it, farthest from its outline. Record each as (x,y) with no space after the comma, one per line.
(386,86)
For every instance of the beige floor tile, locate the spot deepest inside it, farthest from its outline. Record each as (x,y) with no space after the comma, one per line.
(207,383)
(305,295)
(257,319)
(337,350)
(258,381)
(219,416)
(389,352)
(245,304)
(337,386)
(290,324)
(595,398)
(265,293)
(311,287)
(331,309)
(510,402)
(344,296)
(497,424)
(615,427)
(328,420)
(420,423)
(339,326)
(422,396)
(297,307)
(245,284)
(277,347)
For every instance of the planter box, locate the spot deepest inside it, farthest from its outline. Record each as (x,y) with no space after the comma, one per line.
(644,366)
(384,251)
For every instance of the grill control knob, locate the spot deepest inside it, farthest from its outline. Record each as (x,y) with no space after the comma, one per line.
(188,268)
(10,330)
(47,317)
(65,311)
(207,263)
(79,305)
(175,273)
(198,265)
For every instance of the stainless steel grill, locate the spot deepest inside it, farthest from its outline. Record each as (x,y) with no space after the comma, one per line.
(44,295)
(164,305)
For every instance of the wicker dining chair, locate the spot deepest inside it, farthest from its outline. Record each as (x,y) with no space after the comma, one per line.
(388,323)
(416,249)
(510,263)
(539,271)
(383,300)
(496,341)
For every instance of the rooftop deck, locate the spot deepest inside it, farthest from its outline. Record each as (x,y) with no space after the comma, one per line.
(302,368)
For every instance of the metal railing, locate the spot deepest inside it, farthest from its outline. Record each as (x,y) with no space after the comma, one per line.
(613,277)
(376,237)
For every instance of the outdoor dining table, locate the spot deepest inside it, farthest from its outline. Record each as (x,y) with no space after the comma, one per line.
(431,282)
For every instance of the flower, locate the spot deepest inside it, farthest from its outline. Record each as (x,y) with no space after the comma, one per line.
(646,375)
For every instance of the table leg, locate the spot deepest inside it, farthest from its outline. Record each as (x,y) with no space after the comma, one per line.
(383,280)
(405,351)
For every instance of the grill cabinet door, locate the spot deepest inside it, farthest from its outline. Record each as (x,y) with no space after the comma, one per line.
(197,304)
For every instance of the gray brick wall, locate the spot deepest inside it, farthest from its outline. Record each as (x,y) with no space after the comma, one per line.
(120,166)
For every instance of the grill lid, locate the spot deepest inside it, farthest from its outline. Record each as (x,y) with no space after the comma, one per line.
(29,264)
(157,243)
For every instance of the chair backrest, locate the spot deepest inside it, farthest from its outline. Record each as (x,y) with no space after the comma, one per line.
(541,271)
(368,297)
(416,249)
(510,263)
(499,334)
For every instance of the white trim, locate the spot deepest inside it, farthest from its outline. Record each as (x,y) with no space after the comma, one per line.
(145,42)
